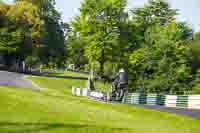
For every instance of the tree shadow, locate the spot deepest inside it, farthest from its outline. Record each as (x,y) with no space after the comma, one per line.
(66,77)
(53,73)
(14,127)
(17,127)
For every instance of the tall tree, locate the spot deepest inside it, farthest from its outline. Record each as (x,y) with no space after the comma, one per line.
(101,28)
(163,65)
(53,35)
(21,29)
(155,11)
(75,45)
(52,40)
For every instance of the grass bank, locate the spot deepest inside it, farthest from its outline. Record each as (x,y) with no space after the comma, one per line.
(55,110)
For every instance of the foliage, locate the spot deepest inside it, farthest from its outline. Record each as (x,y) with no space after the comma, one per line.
(195,46)
(155,11)
(20,30)
(151,45)
(99,29)
(32,26)
(31,60)
(52,38)
(164,64)
(159,53)
(75,46)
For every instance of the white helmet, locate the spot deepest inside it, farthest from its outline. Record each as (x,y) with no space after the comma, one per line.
(121,70)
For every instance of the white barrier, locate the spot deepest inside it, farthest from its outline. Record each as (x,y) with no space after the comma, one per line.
(85,92)
(78,91)
(73,91)
(190,101)
(170,101)
(194,102)
(97,95)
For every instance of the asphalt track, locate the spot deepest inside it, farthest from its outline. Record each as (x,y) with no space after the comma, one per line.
(185,112)
(15,80)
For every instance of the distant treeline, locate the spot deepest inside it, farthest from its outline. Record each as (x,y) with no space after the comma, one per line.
(159,53)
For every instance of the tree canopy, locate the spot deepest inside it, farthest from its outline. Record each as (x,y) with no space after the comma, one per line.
(160,53)
(148,42)
(31,28)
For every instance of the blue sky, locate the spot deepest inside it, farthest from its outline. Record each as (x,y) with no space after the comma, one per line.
(188,9)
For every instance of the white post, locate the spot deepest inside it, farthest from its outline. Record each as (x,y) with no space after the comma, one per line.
(78,91)
(23,66)
(92,75)
(73,91)
(40,68)
(85,92)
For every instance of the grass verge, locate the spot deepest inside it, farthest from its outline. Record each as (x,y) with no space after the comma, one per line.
(55,110)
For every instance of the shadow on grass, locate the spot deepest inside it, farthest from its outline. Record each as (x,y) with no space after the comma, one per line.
(17,127)
(54,73)
(66,77)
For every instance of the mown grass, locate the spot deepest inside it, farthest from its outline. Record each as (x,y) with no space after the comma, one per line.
(55,110)
(66,73)
(99,85)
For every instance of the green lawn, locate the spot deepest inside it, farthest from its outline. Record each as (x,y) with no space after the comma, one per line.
(100,85)
(66,73)
(55,110)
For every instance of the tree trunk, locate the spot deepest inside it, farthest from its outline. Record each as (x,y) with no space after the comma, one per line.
(101,68)
(102,61)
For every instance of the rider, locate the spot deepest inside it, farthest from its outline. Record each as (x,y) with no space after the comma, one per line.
(121,81)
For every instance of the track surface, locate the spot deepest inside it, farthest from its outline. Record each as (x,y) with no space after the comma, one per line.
(186,112)
(15,80)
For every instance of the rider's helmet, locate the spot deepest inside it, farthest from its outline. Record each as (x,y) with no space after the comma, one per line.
(121,70)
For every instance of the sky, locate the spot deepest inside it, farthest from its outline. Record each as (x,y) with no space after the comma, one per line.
(188,9)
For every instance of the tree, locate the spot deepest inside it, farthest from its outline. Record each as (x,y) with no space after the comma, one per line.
(100,27)
(52,38)
(4,35)
(163,65)
(21,30)
(75,48)
(154,12)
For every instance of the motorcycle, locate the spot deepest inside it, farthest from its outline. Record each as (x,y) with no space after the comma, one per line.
(118,91)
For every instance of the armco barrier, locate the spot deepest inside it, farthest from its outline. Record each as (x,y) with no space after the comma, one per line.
(152,99)
(170,101)
(129,98)
(194,102)
(182,101)
(135,98)
(115,97)
(143,99)
(161,100)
